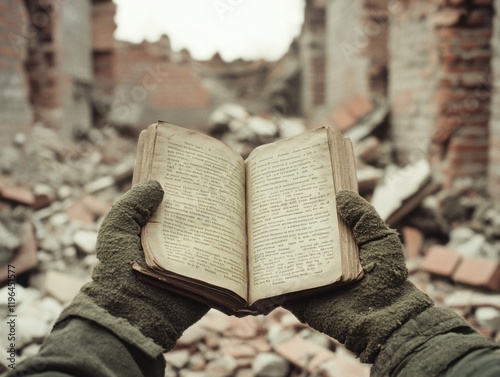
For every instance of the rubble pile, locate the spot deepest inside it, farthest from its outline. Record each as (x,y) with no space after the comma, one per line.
(277,345)
(54,194)
(242,131)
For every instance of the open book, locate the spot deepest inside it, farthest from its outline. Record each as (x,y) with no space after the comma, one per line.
(243,236)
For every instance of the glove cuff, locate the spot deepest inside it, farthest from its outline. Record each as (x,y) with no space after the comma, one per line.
(431,323)
(85,308)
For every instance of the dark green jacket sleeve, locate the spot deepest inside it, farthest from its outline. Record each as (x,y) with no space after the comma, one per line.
(88,341)
(438,342)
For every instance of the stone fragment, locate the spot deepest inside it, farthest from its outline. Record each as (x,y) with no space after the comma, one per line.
(269,364)
(276,334)
(440,261)
(466,242)
(481,273)
(80,212)
(215,321)
(85,241)
(239,350)
(177,358)
(260,344)
(488,318)
(95,205)
(8,241)
(191,373)
(99,184)
(26,257)
(413,241)
(197,362)
(344,364)
(304,353)
(224,366)
(63,287)
(59,219)
(44,196)
(64,192)
(18,194)
(33,328)
(192,335)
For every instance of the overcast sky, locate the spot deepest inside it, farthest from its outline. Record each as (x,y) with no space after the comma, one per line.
(236,28)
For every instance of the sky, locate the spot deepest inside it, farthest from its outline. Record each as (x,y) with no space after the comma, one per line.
(249,29)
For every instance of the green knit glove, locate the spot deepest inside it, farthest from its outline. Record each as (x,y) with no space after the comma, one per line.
(363,315)
(158,314)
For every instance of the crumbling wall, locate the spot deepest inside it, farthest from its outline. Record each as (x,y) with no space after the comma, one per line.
(49,63)
(73,40)
(15,110)
(312,56)
(494,124)
(439,69)
(356,45)
(149,86)
(413,77)
(103,56)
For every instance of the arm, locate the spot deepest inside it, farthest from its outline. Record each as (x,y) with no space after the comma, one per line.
(384,319)
(117,325)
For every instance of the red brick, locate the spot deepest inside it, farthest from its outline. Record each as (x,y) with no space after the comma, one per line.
(481,273)
(80,212)
(359,107)
(440,261)
(17,194)
(343,119)
(95,206)
(413,241)
(304,353)
(26,258)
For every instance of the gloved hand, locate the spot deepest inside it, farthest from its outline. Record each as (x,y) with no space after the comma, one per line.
(158,314)
(363,315)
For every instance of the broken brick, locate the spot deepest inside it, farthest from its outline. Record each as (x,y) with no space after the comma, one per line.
(80,212)
(63,287)
(440,261)
(18,194)
(413,241)
(26,256)
(343,119)
(96,206)
(304,353)
(477,272)
(359,107)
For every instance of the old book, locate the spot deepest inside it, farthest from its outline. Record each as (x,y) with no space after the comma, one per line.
(243,235)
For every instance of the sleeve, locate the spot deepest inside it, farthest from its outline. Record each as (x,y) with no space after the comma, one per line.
(438,342)
(88,341)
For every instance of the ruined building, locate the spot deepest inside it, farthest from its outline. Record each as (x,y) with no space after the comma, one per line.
(435,62)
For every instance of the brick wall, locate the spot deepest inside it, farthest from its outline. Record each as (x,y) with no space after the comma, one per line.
(356,45)
(312,56)
(413,77)
(494,124)
(103,58)
(439,68)
(73,35)
(150,87)
(15,111)
(59,64)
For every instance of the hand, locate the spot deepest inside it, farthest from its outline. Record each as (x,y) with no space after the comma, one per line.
(158,314)
(363,315)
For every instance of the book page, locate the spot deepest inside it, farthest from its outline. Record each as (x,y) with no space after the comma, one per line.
(199,227)
(292,217)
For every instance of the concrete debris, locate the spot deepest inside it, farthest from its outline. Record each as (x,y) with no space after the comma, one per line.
(268,364)
(50,214)
(85,241)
